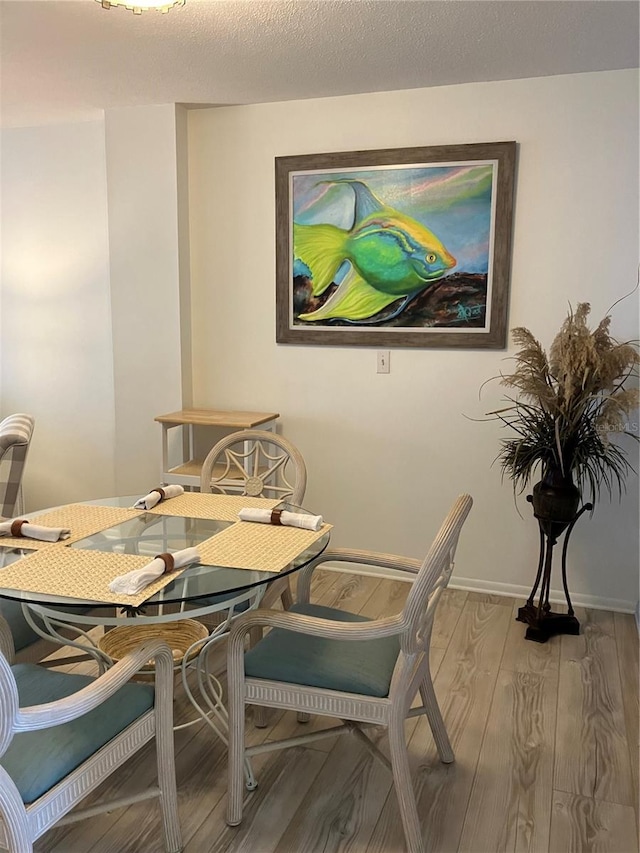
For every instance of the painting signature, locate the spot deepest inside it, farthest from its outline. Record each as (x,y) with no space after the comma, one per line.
(468,312)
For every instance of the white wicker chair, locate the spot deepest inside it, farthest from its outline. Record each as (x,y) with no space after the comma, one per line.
(262,464)
(16,432)
(15,438)
(341,665)
(257,463)
(91,732)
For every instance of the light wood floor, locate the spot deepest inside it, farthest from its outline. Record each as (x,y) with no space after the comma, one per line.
(546,743)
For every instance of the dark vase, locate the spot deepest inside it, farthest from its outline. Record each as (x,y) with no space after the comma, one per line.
(555,500)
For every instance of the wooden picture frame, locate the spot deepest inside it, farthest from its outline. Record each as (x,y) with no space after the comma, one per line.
(401,247)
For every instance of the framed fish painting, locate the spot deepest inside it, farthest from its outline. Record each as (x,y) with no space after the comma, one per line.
(407,247)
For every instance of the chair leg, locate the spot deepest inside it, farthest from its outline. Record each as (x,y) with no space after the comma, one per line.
(235,783)
(260,717)
(165,752)
(169,805)
(287,601)
(438,729)
(286,598)
(259,712)
(403,786)
(236,776)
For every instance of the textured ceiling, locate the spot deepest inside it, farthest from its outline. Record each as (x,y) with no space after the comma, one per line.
(66,60)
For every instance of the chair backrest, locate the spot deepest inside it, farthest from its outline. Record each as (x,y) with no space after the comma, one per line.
(423,598)
(256,463)
(433,578)
(15,437)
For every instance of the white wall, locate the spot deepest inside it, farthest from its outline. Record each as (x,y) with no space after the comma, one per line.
(387,453)
(95,296)
(56,321)
(144,244)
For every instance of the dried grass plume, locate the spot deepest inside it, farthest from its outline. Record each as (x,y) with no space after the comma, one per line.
(568,403)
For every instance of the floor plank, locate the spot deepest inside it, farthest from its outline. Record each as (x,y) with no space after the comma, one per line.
(348,592)
(449,610)
(489,598)
(592,756)
(510,804)
(626,632)
(387,599)
(285,779)
(584,825)
(342,804)
(522,655)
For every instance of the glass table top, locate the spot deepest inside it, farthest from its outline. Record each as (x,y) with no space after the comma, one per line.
(150,534)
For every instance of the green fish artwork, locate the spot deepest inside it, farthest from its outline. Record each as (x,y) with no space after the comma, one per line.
(386,256)
(398,247)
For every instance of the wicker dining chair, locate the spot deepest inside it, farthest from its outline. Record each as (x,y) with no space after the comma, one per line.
(257,463)
(61,735)
(338,664)
(15,439)
(16,432)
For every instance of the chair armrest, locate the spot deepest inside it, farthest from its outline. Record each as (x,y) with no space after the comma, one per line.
(350,555)
(71,707)
(7,647)
(331,629)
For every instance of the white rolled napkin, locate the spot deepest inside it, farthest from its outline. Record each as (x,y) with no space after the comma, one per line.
(20,528)
(289,519)
(133,582)
(162,493)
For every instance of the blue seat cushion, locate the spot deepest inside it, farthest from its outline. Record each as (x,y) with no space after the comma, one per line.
(23,634)
(36,761)
(351,666)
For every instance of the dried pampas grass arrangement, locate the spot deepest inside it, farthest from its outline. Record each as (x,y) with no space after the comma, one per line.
(569,403)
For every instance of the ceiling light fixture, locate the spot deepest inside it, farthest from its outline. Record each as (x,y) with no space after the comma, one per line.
(138,6)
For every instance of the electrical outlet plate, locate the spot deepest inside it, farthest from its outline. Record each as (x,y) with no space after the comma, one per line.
(383,361)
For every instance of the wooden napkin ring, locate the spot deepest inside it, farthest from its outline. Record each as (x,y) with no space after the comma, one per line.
(160,491)
(276,516)
(169,562)
(16,526)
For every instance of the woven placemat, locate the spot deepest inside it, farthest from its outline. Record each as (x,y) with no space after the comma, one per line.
(81,519)
(216,507)
(71,573)
(261,547)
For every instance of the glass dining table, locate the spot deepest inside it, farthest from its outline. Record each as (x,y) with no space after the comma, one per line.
(201,590)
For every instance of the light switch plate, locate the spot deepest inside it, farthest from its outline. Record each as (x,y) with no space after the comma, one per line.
(383,361)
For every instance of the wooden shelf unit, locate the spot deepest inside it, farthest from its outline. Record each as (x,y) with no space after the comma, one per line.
(187,472)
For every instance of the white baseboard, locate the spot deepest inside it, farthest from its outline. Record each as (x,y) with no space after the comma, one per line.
(595,602)
(508,590)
